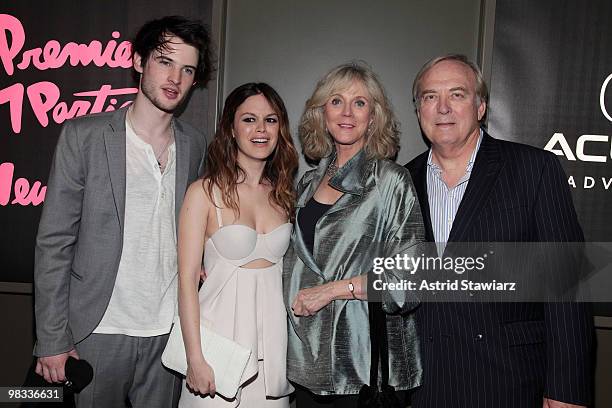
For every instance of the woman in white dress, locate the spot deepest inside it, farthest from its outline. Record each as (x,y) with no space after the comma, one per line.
(238,218)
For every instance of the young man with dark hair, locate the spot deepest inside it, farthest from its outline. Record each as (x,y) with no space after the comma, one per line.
(105,268)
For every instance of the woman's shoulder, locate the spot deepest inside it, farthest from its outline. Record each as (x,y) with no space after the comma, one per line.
(305,179)
(308,174)
(197,192)
(393,183)
(389,172)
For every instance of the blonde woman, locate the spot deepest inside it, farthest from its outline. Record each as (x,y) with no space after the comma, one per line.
(355,206)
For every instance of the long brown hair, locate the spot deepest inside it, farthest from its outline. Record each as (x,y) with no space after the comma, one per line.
(222,168)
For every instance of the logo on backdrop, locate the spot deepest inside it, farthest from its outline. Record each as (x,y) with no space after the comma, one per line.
(602,98)
(559,145)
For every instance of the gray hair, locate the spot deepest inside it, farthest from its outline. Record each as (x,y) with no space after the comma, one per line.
(482,91)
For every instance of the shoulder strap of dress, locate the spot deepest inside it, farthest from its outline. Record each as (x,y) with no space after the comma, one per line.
(216,203)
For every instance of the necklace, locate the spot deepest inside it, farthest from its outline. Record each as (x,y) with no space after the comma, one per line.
(161,153)
(158,157)
(332,167)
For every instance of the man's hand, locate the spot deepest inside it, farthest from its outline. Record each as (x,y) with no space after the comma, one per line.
(549,403)
(52,367)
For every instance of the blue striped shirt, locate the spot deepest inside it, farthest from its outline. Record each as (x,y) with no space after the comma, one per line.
(443,201)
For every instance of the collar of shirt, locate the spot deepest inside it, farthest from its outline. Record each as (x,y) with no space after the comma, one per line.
(149,153)
(437,171)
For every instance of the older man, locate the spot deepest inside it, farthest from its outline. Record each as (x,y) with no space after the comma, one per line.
(474,188)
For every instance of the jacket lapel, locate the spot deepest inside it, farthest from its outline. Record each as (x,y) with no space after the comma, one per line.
(313,182)
(349,179)
(484,174)
(114,141)
(420,184)
(182,166)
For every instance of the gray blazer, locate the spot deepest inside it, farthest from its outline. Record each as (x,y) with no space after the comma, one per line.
(80,235)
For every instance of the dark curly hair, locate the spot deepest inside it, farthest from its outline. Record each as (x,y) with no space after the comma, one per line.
(155,34)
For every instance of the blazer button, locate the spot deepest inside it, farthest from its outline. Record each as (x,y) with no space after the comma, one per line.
(478,337)
(430,338)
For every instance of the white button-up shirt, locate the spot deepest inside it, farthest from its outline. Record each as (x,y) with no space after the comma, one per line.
(444,201)
(145,293)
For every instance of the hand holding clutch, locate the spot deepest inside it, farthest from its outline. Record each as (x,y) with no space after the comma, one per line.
(227,359)
(201,377)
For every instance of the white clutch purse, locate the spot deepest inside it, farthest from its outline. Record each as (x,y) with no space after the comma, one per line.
(227,358)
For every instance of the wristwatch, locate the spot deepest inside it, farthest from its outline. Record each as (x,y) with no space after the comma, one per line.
(351,289)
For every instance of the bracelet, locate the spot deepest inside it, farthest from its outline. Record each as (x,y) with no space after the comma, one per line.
(351,289)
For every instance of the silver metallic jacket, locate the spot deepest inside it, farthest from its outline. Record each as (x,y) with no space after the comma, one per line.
(378,216)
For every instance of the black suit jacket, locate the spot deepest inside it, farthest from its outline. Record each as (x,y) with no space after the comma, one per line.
(506,354)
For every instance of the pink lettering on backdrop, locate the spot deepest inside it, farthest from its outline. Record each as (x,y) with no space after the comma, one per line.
(14,96)
(53,55)
(23,193)
(7,53)
(45,97)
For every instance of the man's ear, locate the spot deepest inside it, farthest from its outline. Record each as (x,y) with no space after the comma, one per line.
(482,108)
(137,63)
